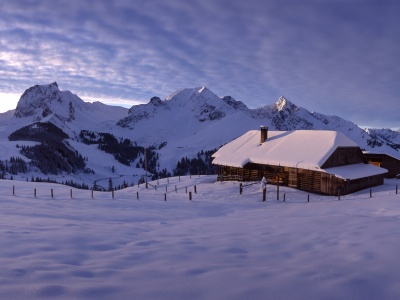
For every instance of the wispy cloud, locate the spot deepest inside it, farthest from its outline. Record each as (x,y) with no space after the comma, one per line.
(335,57)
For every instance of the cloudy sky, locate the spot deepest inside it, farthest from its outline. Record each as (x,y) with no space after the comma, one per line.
(337,57)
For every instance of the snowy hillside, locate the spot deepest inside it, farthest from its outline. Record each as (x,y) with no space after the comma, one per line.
(387,135)
(183,125)
(46,103)
(192,119)
(220,245)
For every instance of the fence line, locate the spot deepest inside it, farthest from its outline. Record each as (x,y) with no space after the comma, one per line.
(192,189)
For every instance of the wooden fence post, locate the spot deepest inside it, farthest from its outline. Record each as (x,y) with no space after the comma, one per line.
(165,197)
(190,196)
(13,190)
(92,193)
(240,189)
(277,191)
(70,193)
(176,190)
(308,198)
(370,193)
(112,193)
(284,197)
(34,192)
(137,195)
(338,194)
(397,187)
(195,189)
(52,193)
(264,196)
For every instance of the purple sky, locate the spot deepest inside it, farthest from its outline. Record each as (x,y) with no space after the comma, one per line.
(331,56)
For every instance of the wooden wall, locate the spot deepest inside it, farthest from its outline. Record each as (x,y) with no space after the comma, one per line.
(226,173)
(363,183)
(302,179)
(343,156)
(385,161)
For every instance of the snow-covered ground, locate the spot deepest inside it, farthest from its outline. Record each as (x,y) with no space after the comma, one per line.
(220,245)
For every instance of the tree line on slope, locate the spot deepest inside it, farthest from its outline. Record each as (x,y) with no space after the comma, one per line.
(125,151)
(53,155)
(201,164)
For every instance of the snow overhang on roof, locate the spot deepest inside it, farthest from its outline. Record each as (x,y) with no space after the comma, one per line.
(381,153)
(306,149)
(355,171)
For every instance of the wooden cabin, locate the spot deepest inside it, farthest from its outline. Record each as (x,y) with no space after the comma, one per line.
(318,161)
(383,160)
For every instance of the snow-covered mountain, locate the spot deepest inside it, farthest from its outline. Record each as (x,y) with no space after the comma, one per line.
(386,134)
(46,103)
(198,119)
(183,124)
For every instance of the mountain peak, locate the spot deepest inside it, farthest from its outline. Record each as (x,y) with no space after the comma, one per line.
(191,94)
(283,103)
(201,89)
(51,85)
(36,97)
(45,89)
(45,102)
(234,103)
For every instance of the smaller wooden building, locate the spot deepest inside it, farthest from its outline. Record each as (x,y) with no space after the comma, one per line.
(319,161)
(383,160)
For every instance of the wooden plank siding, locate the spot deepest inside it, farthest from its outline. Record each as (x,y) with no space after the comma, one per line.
(384,161)
(363,183)
(293,178)
(331,185)
(227,173)
(343,156)
(302,179)
(309,180)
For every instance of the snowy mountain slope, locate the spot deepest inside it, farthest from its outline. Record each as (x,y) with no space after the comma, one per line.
(386,134)
(191,119)
(46,103)
(285,115)
(184,123)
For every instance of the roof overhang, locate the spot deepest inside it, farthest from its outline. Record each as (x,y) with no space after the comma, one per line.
(355,171)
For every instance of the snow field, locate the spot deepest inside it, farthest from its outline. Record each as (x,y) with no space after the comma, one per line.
(221,245)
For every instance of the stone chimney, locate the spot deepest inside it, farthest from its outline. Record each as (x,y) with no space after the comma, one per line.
(264,133)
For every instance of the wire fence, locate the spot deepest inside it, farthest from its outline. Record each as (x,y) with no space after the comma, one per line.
(172,185)
(169,188)
(273,193)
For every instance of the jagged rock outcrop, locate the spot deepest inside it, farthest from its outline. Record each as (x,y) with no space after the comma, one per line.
(42,102)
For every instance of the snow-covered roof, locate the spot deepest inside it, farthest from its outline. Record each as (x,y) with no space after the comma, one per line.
(306,149)
(355,171)
(381,153)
